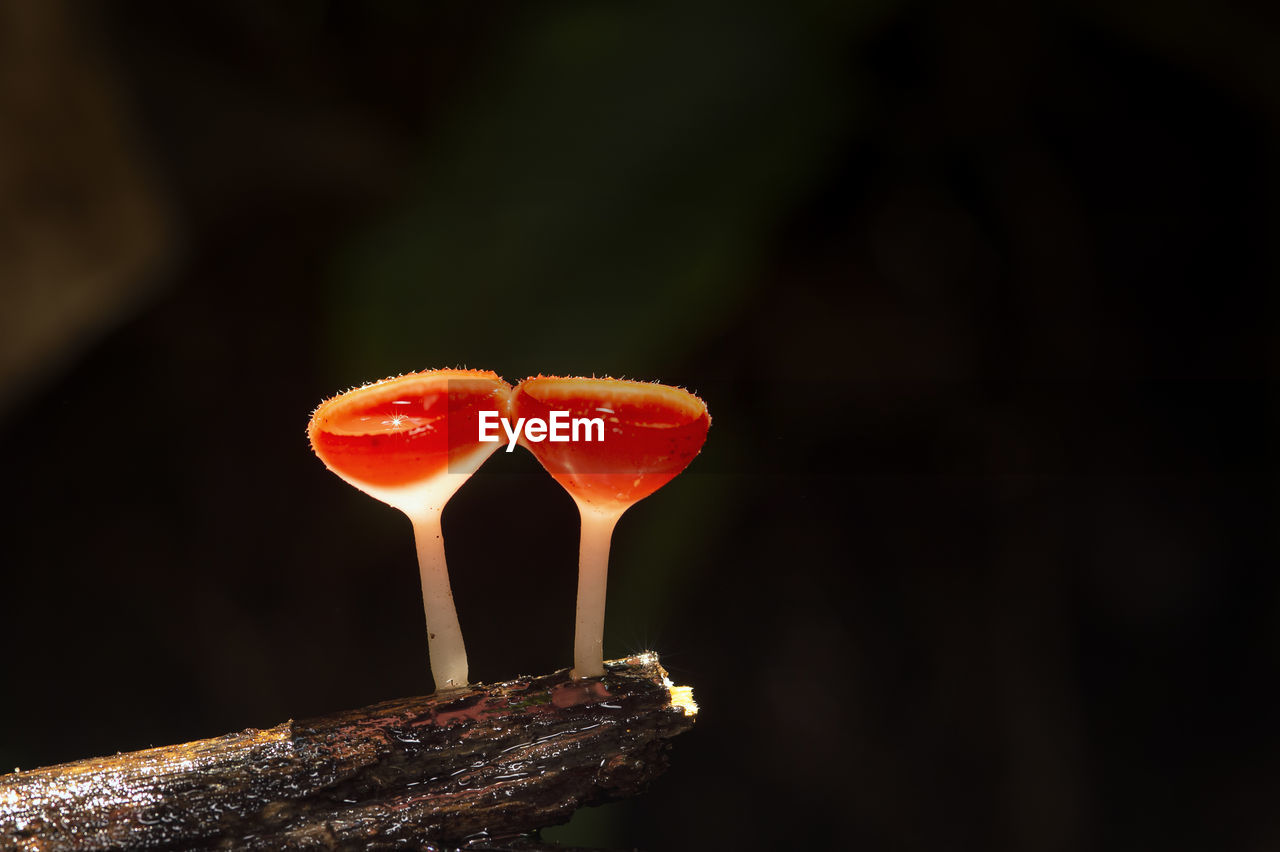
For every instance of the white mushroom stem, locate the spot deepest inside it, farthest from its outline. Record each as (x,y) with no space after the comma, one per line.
(444,634)
(593,575)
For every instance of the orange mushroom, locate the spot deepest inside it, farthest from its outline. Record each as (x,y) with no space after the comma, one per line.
(411,442)
(649,433)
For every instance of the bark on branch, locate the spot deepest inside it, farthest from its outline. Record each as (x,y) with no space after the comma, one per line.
(488,761)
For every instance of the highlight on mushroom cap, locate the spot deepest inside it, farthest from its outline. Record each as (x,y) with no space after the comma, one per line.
(424,381)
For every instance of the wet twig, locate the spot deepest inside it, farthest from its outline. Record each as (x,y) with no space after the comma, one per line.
(488,761)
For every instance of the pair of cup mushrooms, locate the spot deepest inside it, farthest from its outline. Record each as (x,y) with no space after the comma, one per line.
(413,440)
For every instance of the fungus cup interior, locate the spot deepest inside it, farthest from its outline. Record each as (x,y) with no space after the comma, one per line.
(650,433)
(411,442)
(408,439)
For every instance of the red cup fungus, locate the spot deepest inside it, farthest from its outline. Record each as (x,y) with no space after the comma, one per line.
(650,433)
(411,442)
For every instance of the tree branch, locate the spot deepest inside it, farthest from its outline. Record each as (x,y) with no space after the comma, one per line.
(488,761)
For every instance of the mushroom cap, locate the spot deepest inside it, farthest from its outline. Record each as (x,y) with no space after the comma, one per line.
(401,431)
(651,433)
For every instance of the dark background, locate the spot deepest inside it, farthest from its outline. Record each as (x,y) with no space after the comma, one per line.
(981,551)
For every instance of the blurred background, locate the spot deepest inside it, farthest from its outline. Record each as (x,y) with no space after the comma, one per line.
(981,550)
